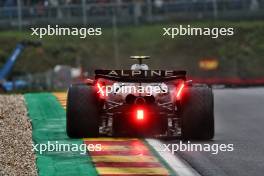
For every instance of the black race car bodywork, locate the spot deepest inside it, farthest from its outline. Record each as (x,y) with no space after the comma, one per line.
(179,108)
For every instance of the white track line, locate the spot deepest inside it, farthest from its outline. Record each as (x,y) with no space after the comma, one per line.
(178,165)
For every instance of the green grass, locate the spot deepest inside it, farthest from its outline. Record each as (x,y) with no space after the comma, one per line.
(239,55)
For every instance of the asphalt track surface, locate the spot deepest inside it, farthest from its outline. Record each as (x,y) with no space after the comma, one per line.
(239,120)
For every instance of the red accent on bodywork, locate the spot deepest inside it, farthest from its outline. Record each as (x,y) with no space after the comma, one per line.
(89,81)
(179,91)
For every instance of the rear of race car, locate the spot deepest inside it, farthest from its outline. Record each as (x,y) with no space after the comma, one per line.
(158,103)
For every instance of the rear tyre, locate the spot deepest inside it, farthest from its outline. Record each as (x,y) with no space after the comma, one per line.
(82,113)
(198,113)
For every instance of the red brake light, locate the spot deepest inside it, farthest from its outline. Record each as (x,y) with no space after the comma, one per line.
(140,114)
(179,91)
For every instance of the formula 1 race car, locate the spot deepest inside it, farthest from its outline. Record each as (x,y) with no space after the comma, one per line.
(139,103)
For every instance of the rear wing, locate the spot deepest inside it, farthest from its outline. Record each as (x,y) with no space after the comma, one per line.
(145,76)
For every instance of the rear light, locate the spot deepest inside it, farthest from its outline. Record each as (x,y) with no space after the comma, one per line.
(179,91)
(140,114)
